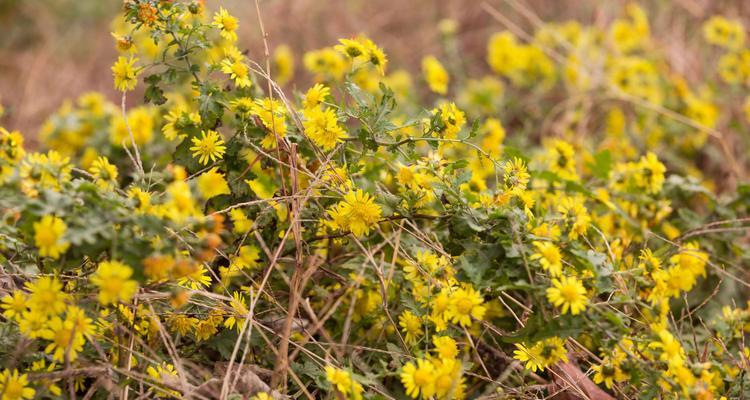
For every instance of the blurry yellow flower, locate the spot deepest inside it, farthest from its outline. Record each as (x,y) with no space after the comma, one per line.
(212,183)
(104,173)
(113,280)
(48,233)
(723,32)
(435,75)
(283,64)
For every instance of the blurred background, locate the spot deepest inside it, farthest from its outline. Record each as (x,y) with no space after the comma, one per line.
(51,50)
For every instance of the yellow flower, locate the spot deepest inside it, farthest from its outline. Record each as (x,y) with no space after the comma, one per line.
(720,31)
(125,74)
(502,53)
(212,183)
(411,325)
(651,173)
(419,379)
(315,95)
(465,304)
(350,48)
(375,55)
(439,314)
(671,349)
(124,43)
(435,75)
(272,113)
(608,372)
(241,223)
(140,122)
(209,147)
(11,145)
(205,330)
(343,382)
(630,34)
(66,340)
(549,257)
(322,127)
(325,63)
(283,64)
(542,354)
(356,213)
(574,211)
(238,71)
(445,346)
(46,296)
(243,106)
(530,356)
(248,257)
(494,134)
(239,311)
(448,380)
(13,386)
(568,294)
(14,305)
(560,159)
(112,278)
(515,176)
(48,233)
(181,323)
(163,372)
(227,24)
(104,173)
(452,118)
(141,199)
(196,279)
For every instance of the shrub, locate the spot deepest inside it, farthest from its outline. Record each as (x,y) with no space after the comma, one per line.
(231,237)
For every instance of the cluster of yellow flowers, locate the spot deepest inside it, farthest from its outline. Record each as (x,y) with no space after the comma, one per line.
(437,376)
(378,235)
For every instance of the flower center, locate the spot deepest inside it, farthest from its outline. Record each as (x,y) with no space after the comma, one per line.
(422,377)
(569,293)
(464,306)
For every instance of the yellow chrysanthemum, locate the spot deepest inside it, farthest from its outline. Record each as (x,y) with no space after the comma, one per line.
(435,75)
(357,213)
(465,304)
(14,386)
(227,24)
(322,127)
(209,147)
(212,183)
(549,257)
(125,74)
(48,234)
(104,173)
(113,280)
(419,379)
(411,325)
(568,294)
